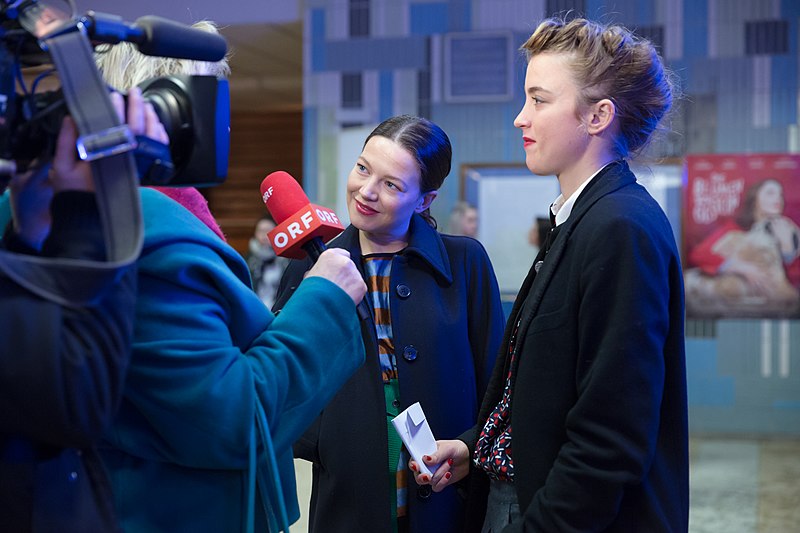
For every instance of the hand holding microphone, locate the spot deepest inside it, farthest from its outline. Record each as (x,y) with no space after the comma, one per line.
(335,265)
(302,229)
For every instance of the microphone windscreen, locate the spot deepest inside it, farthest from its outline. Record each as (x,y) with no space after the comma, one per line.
(164,37)
(282,195)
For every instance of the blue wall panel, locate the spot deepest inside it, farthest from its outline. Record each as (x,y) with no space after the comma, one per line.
(427,19)
(386,94)
(790,9)
(317,40)
(375,54)
(784,90)
(596,9)
(459,15)
(695,34)
(310,162)
(705,385)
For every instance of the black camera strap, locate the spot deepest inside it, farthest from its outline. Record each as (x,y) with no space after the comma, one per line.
(107,144)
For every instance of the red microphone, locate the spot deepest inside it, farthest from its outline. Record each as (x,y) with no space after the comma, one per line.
(302,227)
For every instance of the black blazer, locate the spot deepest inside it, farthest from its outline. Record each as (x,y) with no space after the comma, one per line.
(447,323)
(599,411)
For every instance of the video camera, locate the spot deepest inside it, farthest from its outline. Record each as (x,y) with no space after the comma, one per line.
(195,110)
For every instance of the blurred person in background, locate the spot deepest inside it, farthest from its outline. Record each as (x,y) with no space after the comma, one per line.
(464,220)
(537,233)
(266,267)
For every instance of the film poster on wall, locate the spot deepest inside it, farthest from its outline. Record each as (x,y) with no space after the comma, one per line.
(741,242)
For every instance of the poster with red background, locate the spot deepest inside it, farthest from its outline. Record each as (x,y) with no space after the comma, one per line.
(741,241)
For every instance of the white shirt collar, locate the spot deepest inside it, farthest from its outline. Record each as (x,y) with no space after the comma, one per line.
(562,208)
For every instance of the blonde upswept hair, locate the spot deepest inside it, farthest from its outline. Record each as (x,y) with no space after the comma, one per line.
(609,61)
(123,66)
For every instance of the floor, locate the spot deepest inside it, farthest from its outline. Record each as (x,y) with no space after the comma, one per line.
(737,486)
(744,486)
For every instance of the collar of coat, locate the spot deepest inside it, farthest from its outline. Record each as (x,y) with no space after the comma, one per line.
(610,179)
(423,241)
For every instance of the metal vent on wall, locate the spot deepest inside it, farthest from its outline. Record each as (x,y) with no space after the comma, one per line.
(478,67)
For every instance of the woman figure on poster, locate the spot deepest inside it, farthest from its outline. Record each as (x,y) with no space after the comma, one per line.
(751,263)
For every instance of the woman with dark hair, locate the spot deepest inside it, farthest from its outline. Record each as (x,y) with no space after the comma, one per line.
(431,337)
(584,427)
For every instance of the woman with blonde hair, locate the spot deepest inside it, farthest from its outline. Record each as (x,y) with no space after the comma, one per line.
(592,380)
(123,66)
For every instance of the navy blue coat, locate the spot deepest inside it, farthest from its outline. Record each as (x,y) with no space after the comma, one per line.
(62,370)
(447,323)
(599,411)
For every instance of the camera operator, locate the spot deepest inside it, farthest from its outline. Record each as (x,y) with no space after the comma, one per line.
(62,367)
(218,387)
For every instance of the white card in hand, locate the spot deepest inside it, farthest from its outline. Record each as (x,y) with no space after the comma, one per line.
(416,434)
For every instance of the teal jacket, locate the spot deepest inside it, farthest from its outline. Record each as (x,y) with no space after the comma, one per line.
(213,373)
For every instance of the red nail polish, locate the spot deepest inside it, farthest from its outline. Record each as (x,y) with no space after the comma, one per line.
(448,475)
(426,457)
(450,461)
(414,468)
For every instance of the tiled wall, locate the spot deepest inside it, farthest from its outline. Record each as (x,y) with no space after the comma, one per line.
(740,95)
(746,378)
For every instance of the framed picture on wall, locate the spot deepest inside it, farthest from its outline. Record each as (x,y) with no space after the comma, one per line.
(510,200)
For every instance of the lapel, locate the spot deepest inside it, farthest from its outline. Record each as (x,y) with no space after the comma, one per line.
(610,179)
(423,241)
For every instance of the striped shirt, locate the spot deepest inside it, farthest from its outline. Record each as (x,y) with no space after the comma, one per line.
(378,268)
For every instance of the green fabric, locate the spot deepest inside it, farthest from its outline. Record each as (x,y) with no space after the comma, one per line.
(392,393)
(5,211)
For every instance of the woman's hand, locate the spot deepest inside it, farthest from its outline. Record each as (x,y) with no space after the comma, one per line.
(335,265)
(452,456)
(32,191)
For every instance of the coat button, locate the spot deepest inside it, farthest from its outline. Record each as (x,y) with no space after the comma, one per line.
(395,403)
(424,492)
(403,291)
(409,353)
